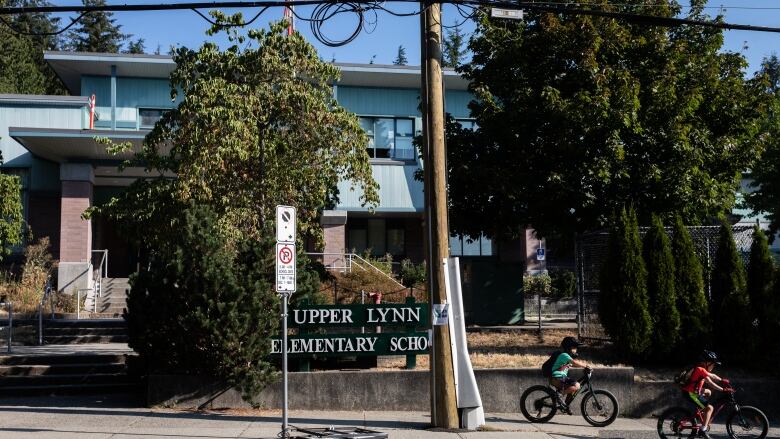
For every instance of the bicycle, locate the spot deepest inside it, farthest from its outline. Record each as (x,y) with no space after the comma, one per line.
(598,407)
(678,422)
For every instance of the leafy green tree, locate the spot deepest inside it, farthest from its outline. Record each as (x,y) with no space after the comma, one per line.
(691,296)
(453,52)
(760,279)
(661,290)
(623,303)
(730,305)
(765,173)
(11,220)
(199,306)
(257,127)
(579,115)
(97,32)
(400,58)
(136,47)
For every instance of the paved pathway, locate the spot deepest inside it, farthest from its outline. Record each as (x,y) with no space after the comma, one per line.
(120,418)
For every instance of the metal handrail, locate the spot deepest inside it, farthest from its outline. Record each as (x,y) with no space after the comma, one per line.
(10,307)
(97,277)
(354,260)
(46,294)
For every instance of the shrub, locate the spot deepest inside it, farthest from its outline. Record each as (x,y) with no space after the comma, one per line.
(564,283)
(661,290)
(11,220)
(26,290)
(538,284)
(691,297)
(411,274)
(729,305)
(205,305)
(760,278)
(623,300)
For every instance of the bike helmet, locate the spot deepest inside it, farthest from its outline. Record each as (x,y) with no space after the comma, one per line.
(569,342)
(710,357)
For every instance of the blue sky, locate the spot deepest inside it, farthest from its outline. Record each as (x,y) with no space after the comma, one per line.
(186,28)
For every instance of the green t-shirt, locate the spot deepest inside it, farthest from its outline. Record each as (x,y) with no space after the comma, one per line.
(561,366)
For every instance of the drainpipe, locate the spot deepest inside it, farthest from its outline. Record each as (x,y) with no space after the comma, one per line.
(113,98)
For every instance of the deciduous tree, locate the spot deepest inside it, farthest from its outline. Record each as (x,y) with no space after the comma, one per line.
(11,220)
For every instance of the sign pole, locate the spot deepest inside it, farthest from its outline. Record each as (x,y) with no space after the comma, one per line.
(285,426)
(285,286)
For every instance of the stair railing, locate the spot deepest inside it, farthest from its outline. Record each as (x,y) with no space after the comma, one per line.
(47,291)
(346,262)
(98,276)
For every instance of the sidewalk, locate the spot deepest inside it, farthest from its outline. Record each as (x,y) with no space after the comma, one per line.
(93,417)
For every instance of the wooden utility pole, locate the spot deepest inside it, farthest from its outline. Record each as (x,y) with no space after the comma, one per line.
(444,410)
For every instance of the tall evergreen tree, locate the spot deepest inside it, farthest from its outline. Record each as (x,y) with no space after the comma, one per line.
(760,278)
(97,32)
(452,48)
(623,302)
(691,296)
(400,58)
(661,290)
(730,306)
(136,47)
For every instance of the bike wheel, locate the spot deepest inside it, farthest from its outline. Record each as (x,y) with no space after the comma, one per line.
(747,422)
(676,422)
(538,404)
(599,408)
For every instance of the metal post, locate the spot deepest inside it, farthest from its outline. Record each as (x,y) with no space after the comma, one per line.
(78,305)
(10,325)
(539,312)
(285,428)
(40,324)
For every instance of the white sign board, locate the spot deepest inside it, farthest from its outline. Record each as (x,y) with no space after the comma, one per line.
(539,254)
(512,14)
(285,268)
(285,224)
(441,314)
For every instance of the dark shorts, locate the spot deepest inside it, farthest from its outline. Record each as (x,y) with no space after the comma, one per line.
(564,382)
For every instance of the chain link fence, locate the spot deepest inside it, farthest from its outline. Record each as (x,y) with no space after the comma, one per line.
(591,254)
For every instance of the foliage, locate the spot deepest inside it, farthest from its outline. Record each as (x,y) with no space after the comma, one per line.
(765,173)
(22,67)
(411,274)
(730,306)
(691,296)
(11,219)
(136,47)
(26,291)
(453,52)
(623,304)
(564,283)
(400,58)
(350,284)
(97,32)
(200,305)
(760,288)
(284,141)
(579,115)
(661,290)
(537,285)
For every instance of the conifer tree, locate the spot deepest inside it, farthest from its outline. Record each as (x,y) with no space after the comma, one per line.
(623,301)
(691,296)
(400,58)
(97,32)
(452,48)
(661,290)
(730,306)
(760,277)
(136,47)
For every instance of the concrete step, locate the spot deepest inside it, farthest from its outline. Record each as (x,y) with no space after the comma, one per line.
(85,323)
(37,360)
(78,339)
(61,369)
(75,330)
(70,389)
(57,380)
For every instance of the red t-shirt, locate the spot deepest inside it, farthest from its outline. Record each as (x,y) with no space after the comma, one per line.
(696,381)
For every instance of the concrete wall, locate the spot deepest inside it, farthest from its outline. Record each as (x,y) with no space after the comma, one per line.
(500,390)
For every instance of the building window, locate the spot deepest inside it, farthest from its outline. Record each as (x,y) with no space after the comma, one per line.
(378,236)
(389,138)
(464,245)
(467,124)
(147,117)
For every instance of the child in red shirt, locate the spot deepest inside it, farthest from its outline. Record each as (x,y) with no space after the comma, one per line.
(695,388)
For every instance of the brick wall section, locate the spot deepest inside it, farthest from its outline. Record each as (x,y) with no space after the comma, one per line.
(44,219)
(335,242)
(75,232)
(531,244)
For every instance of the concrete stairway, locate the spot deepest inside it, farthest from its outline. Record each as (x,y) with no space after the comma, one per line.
(84,331)
(113,298)
(30,375)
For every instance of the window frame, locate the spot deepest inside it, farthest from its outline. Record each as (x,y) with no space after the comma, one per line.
(371,148)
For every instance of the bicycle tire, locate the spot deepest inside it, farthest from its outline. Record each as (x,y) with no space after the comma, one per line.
(747,413)
(603,401)
(680,422)
(540,402)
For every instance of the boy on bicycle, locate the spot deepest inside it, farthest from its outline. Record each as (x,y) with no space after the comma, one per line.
(560,370)
(700,375)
